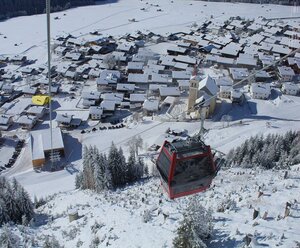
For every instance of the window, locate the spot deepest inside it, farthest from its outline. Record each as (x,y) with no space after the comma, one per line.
(192,170)
(164,165)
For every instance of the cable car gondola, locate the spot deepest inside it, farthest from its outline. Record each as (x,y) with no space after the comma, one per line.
(186,167)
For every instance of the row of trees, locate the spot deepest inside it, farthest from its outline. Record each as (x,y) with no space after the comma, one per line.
(271,151)
(284,2)
(12,8)
(15,203)
(101,172)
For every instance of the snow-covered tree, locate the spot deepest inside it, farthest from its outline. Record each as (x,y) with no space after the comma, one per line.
(14,202)
(102,174)
(51,242)
(268,152)
(88,168)
(7,238)
(79,180)
(131,164)
(196,226)
(117,165)
(4,215)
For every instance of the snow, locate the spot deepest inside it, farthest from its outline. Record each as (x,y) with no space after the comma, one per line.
(122,211)
(121,222)
(40,142)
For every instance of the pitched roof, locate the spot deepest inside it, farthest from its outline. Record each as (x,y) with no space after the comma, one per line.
(210,84)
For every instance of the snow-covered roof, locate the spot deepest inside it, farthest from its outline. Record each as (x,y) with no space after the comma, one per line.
(181,74)
(71,74)
(40,142)
(169,91)
(209,84)
(181,66)
(223,60)
(26,69)
(266,59)
(5,119)
(137,97)
(290,86)
(94,72)
(239,73)
(281,49)
(265,46)
(231,49)
(260,88)
(64,118)
(125,87)
(246,59)
(108,105)
(183,83)
(74,56)
(96,110)
(93,95)
(119,56)
(225,88)
(60,49)
(236,93)
(167,60)
(126,46)
(27,119)
(151,104)
(177,49)
(29,90)
(135,66)
(108,77)
(285,71)
(294,61)
(186,59)
(262,74)
(154,87)
(137,78)
(36,110)
(88,102)
(224,81)
(170,100)
(115,97)
(160,78)
(77,41)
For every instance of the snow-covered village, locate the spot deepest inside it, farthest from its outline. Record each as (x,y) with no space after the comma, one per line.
(136,123)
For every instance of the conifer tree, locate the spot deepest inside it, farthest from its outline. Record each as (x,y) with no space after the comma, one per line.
(131,164)
(195,228)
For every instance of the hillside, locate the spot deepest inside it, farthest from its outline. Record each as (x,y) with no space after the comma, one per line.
(140,214)
(10,9)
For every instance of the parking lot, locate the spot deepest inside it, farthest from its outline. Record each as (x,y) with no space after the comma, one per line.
(10,149)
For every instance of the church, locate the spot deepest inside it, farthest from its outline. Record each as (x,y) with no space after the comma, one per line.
(204,91)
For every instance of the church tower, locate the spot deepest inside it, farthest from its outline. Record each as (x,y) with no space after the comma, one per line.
(193,91)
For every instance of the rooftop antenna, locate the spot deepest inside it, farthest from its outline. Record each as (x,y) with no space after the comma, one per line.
(48,6)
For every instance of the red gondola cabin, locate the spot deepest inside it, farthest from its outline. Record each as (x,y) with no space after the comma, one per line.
(186,167)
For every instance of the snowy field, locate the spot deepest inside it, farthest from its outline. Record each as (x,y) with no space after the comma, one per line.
(121,217)
(142,216)
(113,19)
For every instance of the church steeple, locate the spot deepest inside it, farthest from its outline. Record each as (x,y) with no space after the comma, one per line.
(193,90)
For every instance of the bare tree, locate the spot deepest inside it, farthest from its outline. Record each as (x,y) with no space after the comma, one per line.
(135,144)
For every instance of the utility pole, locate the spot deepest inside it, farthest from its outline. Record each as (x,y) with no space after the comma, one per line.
(48,7)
